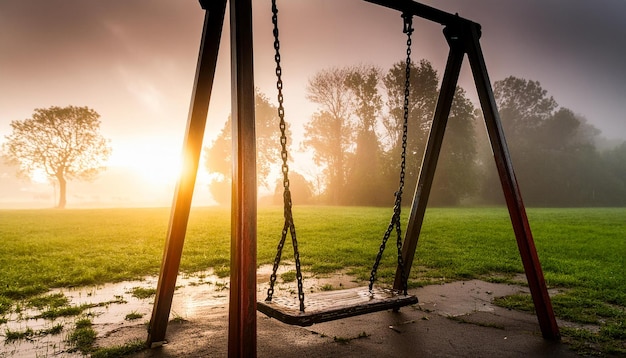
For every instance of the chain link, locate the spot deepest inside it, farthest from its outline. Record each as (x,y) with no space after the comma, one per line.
(289,227)
(397,208)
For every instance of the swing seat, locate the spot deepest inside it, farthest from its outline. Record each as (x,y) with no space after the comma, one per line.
(332,305)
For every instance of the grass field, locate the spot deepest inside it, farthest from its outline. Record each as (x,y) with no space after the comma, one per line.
(582,251)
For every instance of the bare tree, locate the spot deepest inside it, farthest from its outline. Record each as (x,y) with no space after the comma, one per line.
(62,142)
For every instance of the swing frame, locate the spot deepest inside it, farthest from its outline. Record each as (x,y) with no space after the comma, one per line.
(462,36)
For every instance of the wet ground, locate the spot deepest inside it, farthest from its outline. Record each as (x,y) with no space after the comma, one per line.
(112,303)
(453,319)
(197,295)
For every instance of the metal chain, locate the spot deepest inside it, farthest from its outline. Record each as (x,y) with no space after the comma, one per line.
(289,226)
(397,209)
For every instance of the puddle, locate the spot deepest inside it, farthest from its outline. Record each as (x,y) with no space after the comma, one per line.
(196,295)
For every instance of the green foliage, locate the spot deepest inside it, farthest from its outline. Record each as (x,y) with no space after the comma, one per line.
(365,167)
(133,316)
(289,276)
(142,292)
(56,329)
(29,333)
(518,302)
(5,304)
(44,250)
(330,131)
(51,301)
(66,311)
(83,337)
(358,141)
(11,336)
(302,191)
(604,343)
(456,176)
(614,330)
(462,320)
(586,307)
(23,291)
(218,154)
(119,351)
(422,101)
(222,271)
(554,151)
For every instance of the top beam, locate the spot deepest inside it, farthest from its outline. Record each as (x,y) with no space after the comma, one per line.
(421,10)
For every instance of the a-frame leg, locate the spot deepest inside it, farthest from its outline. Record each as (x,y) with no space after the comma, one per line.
(431,155)
(465,38)
(205,73)
(517,211)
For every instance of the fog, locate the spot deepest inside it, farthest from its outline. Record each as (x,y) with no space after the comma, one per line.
(134,62)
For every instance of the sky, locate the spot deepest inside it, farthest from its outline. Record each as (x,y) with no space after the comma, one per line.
(133,61)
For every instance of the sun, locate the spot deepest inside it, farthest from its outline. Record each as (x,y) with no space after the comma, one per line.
(155,165)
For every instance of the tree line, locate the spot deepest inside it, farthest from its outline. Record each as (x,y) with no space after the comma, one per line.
(355,137)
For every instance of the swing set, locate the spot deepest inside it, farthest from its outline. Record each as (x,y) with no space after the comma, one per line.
(462,36)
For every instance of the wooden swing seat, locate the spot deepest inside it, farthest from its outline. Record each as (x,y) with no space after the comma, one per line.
(332,305)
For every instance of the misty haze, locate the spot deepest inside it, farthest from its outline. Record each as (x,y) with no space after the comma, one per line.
(136,71)
(105,241)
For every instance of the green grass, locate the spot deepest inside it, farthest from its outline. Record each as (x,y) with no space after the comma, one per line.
(133,316)
(83,337)
(29,333)
(68,310)
(11,336)
(289,276)
(56,329)
(55,300)
(65,311)
(460,319)
(131,347)
(143,292)
(5,304)
(581,250)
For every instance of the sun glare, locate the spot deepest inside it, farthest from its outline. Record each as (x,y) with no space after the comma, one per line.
(154,165)
(159,169)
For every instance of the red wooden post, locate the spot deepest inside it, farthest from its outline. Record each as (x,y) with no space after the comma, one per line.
(242,309)
(517,211)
